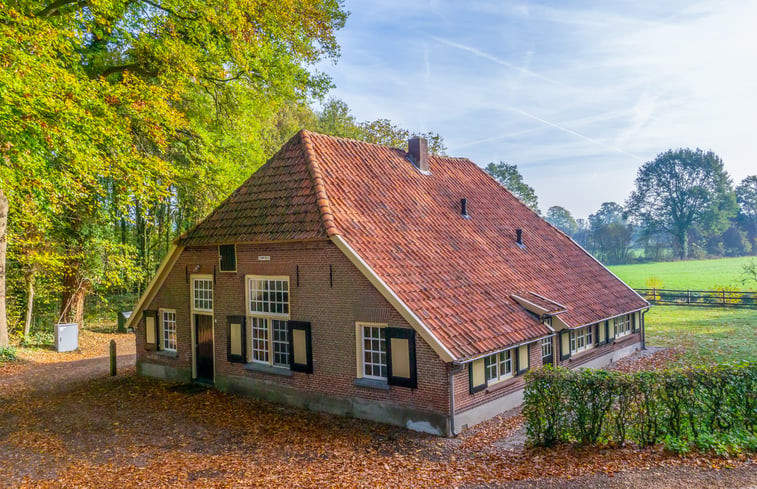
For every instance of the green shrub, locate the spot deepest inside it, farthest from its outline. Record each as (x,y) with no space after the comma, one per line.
(713,408)
(7,353)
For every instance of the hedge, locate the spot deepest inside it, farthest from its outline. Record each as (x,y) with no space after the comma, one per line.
(712,408)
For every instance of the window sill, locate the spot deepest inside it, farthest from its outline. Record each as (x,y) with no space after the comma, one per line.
(371,383)
(268,369)
(502,384)
(164,353)
(581,353)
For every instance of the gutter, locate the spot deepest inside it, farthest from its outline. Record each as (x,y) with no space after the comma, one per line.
(644,329)
(509,347)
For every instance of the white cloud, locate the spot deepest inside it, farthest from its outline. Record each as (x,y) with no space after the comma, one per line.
(576,95)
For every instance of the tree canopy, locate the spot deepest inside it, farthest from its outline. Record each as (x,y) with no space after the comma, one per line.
(509,176)
(683,189)
(562,219)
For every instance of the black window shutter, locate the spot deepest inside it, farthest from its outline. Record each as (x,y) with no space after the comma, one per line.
(228,254)
(596,327)
(609,329)
(304,327)
(633,322)
(515,361)
(411,380)
(242,356)
(156,329)
(564,340)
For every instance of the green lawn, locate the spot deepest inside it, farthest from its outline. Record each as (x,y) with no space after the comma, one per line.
(707,335)
(691,275)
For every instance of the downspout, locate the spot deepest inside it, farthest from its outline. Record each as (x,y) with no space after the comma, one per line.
(644,330)
(454,370)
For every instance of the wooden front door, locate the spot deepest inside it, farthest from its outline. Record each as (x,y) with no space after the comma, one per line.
(204,347)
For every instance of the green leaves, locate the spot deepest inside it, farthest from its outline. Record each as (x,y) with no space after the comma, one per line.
(678,407)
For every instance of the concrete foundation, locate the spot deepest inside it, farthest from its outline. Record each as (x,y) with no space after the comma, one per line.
(471,417)
(379,411)
(611,357)
(171,374)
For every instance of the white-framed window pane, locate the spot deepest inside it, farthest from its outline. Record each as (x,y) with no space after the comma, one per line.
(203,294)
(259,339)
(374,352)
(581,339)
(546,347)
(490,363)
(505,363)
(269,296)
(280,343)
(169,330)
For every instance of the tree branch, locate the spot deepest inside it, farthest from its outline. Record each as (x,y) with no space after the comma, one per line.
(133,67)
(54,8)
(170,11)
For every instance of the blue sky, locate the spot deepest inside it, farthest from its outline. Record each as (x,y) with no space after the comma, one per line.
(577,94)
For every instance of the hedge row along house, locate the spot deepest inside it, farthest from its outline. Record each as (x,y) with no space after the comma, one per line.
(372,282)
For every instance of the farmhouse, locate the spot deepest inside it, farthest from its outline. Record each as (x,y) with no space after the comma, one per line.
(382,284)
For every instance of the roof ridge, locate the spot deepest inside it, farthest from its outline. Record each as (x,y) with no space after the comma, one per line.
(316,177)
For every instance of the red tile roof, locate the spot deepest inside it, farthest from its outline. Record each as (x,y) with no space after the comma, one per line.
(456,274)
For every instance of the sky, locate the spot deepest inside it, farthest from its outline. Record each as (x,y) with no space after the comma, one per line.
(577,94)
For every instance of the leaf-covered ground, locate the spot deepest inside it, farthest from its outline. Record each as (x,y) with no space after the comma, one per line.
(96,431)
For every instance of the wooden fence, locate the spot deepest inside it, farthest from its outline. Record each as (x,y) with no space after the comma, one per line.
(706,298)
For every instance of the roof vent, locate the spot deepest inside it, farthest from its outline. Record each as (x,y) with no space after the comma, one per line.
(464,208)
(519,238)
(418,152)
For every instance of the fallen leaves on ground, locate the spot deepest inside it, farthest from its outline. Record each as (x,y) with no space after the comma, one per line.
(92,344)
(655,358)
(137,432)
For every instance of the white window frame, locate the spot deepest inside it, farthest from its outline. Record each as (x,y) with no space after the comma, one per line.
(204,278)
(622,326)
(495,364)
(361,363)
(546,342)
(163,338)
(582,339)
(267,318)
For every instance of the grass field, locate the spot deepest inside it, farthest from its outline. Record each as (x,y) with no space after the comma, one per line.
(688,275)
(707,335)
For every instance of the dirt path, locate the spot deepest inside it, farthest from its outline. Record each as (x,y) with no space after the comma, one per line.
(69,424)
(46,378)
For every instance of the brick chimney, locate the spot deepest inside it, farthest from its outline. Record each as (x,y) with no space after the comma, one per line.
(418,149)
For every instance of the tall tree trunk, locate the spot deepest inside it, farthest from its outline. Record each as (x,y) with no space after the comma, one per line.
(3,245)
(30,278)
(75,290)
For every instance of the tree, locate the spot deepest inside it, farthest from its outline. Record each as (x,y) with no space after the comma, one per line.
(746,196)
(3,244)
(681,189)
(509,176)
(562,219)
(336,119)
(610,234)
(128,112)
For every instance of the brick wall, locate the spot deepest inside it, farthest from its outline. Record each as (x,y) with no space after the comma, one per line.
(464,400)
(331,310)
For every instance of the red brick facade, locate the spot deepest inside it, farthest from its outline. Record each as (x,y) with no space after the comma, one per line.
(331,310)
